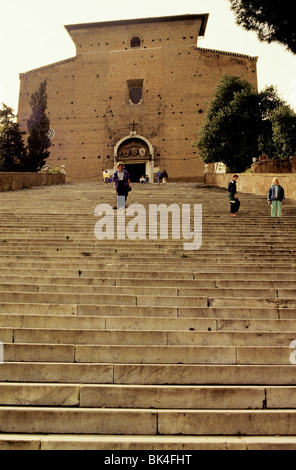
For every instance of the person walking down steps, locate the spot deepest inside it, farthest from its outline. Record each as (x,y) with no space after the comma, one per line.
(276,197)
(234,201)
(122,185)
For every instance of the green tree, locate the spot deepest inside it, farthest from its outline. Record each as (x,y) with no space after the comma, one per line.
(229,134)
(270,19)
(269,101)
(38,127)
(12,147)
(242,123)
(283,120)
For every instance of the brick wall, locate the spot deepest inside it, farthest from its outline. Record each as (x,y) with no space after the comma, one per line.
(88,95)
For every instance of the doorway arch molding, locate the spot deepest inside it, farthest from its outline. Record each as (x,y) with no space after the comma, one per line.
(133,135)
(149,162)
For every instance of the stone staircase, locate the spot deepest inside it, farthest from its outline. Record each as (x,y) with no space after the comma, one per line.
(130,345)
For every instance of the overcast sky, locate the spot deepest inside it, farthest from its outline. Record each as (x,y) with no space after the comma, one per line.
(32,35)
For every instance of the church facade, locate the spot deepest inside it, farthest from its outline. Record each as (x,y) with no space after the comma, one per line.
(137,91)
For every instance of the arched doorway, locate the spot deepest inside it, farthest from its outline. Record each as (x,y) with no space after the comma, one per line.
(137,154)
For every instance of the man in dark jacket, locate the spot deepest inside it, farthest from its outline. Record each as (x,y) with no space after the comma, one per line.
(234,201)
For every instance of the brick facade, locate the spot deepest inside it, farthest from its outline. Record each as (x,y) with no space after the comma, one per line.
(138,91)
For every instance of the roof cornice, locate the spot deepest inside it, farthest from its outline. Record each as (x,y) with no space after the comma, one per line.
(204,17)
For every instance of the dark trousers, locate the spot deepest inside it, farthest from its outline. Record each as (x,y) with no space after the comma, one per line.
(234,206)
(122,190)
(122,193)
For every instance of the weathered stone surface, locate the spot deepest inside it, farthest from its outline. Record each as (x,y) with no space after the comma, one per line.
(39,394)
(72,421)
(125,344)
(228,422)
(173,397)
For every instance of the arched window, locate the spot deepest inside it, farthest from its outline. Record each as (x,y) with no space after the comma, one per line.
(135,95)
(135,91)
(135,41)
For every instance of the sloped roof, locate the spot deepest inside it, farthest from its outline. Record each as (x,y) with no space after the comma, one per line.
(204,17)
(61,62)
(234,54)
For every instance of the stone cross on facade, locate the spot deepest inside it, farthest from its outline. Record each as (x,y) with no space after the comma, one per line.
(134,125)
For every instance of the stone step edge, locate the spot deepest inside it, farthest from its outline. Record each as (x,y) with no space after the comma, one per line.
(167,397)
(150,422)
(132,323)
(110,282)
(143,443)
(272,312)
(158,337)
(124,355)
(149,374)
(159,291)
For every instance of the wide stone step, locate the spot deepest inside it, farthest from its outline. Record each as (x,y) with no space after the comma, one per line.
(234,423)
(218,374)
(144,443)
(93,310)
(53,298)
(200,324)
(108,271)
(188,260)
(30,282)
(252,302)
(231,291)
(56,372)
(131,323)
(156,397)
(208,249)
(270,311)
(134,256)
(183,354)
(53,321)
(180,397)
(148,374)
(134,277)
(113,299)
(72,420)
(38,353)
(145,337)
(147,422)
(147,355)
(77,289)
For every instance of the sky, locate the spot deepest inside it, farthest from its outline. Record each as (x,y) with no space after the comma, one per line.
(32,35)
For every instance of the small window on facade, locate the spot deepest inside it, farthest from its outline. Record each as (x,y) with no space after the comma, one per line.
(135,95)
(135,91)
(135,42)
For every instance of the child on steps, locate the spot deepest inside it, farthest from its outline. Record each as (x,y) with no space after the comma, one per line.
(276,197)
